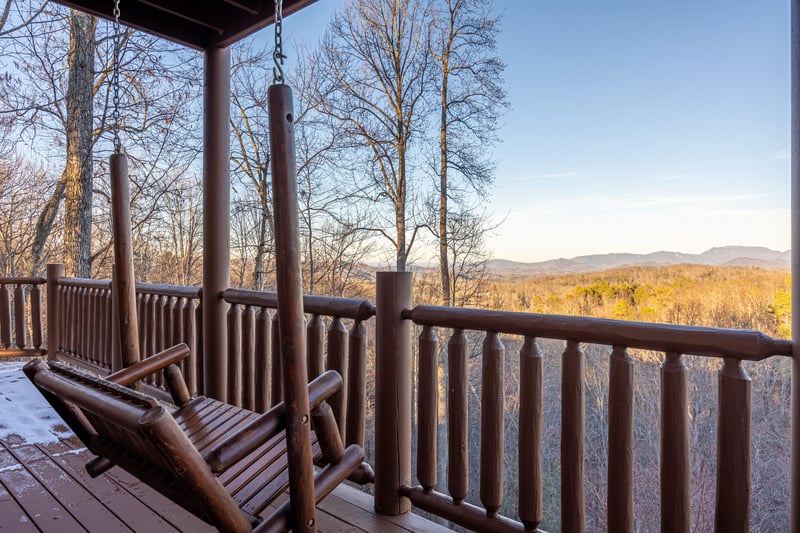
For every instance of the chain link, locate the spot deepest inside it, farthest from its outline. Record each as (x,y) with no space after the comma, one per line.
(277,55)
(115,79)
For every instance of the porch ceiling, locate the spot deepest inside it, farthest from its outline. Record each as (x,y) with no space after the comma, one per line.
(197,24)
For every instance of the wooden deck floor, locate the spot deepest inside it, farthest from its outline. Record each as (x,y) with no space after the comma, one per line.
(45,487)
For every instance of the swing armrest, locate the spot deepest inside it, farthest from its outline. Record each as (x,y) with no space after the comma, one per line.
(266,426)
(149,366)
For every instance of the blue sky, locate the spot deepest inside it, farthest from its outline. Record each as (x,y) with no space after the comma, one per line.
(637,126)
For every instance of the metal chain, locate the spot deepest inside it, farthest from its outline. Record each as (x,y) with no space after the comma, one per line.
(115,79)
(277,55)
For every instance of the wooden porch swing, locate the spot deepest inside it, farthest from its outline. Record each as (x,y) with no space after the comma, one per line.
(227,465)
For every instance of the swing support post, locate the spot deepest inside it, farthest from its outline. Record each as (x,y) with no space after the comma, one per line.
(124,279)
(290,309)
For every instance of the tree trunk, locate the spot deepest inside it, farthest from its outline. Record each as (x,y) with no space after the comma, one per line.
(444,264)
(44,225)
(78,170)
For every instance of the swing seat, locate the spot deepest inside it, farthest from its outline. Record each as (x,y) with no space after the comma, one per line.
(224,464)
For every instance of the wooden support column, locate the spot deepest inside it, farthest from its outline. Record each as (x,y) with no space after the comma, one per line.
(795,144)
(54,271)
(392,393)
(216,219)
(290,310)
(124,279)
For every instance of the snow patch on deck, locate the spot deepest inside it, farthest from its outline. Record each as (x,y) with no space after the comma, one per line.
(25,416)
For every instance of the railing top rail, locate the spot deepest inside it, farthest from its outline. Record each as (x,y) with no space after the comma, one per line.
(689,340)
(177,291)
(22,281)
(145,288)
(312,304)
(85,283)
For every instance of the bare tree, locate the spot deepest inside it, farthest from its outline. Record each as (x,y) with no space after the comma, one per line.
(373,75)
(58,102)
(471,95)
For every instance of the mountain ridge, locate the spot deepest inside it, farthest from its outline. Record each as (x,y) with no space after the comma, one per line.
(757,256)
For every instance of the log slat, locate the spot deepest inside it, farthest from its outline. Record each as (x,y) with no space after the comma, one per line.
(337,360)
(457,422)
(732,510)
(675,503)
(530,434)
(316,347)
(20,329)
(356,385)
(427,408)
(620,441)
(492,445)
(573,430)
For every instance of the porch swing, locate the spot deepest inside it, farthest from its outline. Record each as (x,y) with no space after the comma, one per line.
(226,465)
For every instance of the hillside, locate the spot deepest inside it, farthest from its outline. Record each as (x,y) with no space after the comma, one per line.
(719,256)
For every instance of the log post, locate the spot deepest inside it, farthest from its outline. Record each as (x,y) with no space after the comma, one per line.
(392,393)
(795,166)
(290,310)
(125,283)
(54,311)
(216,219)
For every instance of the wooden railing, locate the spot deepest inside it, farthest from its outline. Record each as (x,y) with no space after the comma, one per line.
(733,432)
(84,330)
(80,327)
(21,317)
(253,339)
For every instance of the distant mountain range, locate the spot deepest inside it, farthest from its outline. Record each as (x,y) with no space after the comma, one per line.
(720,256)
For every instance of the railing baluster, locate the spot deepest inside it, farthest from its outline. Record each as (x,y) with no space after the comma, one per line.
(620,441)
(159,323)
(55,309)
(675,504)
(337,360)
(316,347)
(457,423)
(235,355)
(192,367)
(573,507)
(262,361)
(5,317)
(277,372)
(94,337)
(67,327)
(427,408)
(20,328)
(492,427)
(151,325)
(356,390)
(81,323)
(36,317)
(249,358)
(732,512)
(141,311)
(176,314)
(530,434)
